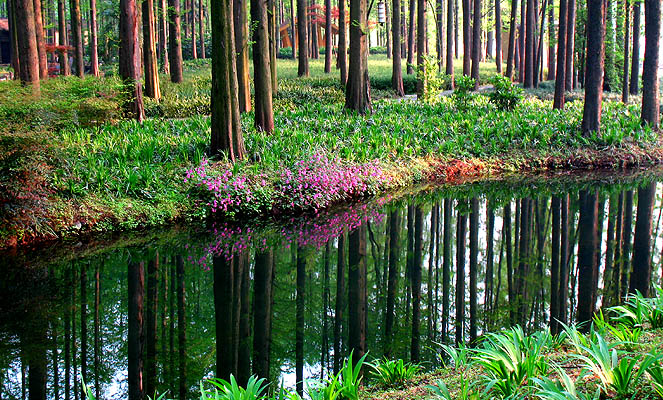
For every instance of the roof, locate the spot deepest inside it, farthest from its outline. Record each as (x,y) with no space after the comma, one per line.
(4,24)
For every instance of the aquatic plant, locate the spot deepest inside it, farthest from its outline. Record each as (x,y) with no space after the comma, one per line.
(393,372)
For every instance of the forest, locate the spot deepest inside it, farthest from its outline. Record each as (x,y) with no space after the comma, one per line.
(348,199)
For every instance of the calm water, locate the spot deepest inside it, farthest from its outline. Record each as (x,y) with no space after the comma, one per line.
(393,275)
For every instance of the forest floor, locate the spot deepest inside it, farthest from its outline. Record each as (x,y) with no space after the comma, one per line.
(71,166)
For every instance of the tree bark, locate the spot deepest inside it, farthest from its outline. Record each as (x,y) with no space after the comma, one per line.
(175,41)
(626,244)
(357,289)
(446,269)
(303,68)
(460,275)
(551,41)
(650,102)
(342,43)
(555,264)
(94,42)
(641,272)
(328,37)
(27,44)
(467,37)
(150,62)
(397,69)
(262,313)
(226,127)
(62,38)
(564,260)
(510,60)
(410,37)
(181,328)
(135,336)
(244,332)
(83,315)
(163,37)
(587,247)
(421,46)
(560,81)
(340,303)
(474,263)
(358,88)
(498,35)
(415,344)
(570,44)
(77,35)
(635,59)
(626,44)
(129,59)
(392,280)
(224,277)
(450,42)
(150,364)
(201,29)
(41,41)
(530,24)
(241,28)
(299,320)
(591,119)
(262,80)
(476,43)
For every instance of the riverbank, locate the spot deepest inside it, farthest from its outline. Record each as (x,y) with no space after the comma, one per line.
(61,178)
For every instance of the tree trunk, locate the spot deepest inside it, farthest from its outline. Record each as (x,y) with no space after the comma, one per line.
(224,277)
(460,275)
(303,69)
(410,37)
(357,285)
(490,238)
(650,101)
(340,303)
(129,59)
(421,46)
(328,37)
(192,29)
(555,265)
(626,43)
(150,62)
(510,60)
(83,279)
(41,41)
(551,41)
(358,88)
(467,37)
(591,119)
(241,29)
(181,328)
(450,42)
(635,59)
(570,44)
(201,29)
(77,35)
(415,343)
(163,37)
(273,43)
(474,262)
(560,81)
(521,41)
(27,44)
(446,269)
(244,332)
(175,40)
(392,280)
(226,126)
(262,313)
(150,376)
(97,332)
(94,42)
(299,323)
(476,43)
(397,70)
(640,279)
(498,35)
(62,38)
(530,24)
(588,245)
(262,80)
(135,336)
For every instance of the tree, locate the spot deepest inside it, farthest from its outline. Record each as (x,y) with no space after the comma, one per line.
(175,41)
(299,319)
(262,312)
(474,263)
(410,37)
(510,58)
(342,43)
(136,281)
(150,61)
(591,118)
(62,38)
(340,302)
(450,41)
(418,260)
(551,41)
(588,244)
(77,36)
(241,30)
(163,34)
(650,101)
(530,34)
(570,43)
(560,78)
(302,69)
(264,116)
(467,37)
(397,70)
(150,372)
(94,52)
(461,232)
(498,35)
(392,280)
(358,88)
(641,269)
(129,60)
(635,59)
(224,276)
(27,44)
(41,41)
(201,28)
(328,36)
(476,42)
(421,45)
(357,286)
(625,77)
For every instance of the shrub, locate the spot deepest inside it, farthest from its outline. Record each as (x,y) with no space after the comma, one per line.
(433,80)
(505,95)
(462,96)
(394,372)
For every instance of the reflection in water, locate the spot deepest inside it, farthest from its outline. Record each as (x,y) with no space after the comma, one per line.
(288,302)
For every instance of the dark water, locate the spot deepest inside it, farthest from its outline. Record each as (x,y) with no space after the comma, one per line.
(440,265)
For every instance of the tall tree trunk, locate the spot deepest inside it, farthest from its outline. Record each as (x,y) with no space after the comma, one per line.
(570,44)
(446,269)
(467,36)
(262,313)
(62,38)
(588,245)
(476,42)
(41,40)
(357,288)
(262,80)
(506,227)
(410,37)
(421,46)
(498,35)
(13,37)
(591,119)
(415,343)
(626,45)
(175,40)
(77,35)
(450,42)
(303,69)
(530,24)
(224,277)
(431,287)
(273,43)
(201,28)
(474,262)
(299,321)
(640,279)
(460,275)
(192,29)
(97,331)
(635,59)
(392,280)
(181,328)
(397,70)
(226,126)
(490,238)
(135,337)
(151,67)
(564,260)
(551,41)
(560,79)
(340,303)
(163,37)
(27,44)
(358,88)
(84,376)
(328,37)
(626,244)
(241,27)
(244,345)
(129,59)
(650,101)
(94,42)
(555,265)
(342,43)
(521,41)
(150,377)
(510,59)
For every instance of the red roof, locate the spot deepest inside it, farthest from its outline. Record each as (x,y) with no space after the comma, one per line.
(4,24)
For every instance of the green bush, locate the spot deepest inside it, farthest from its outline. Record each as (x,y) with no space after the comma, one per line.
(505,95)
(463,95)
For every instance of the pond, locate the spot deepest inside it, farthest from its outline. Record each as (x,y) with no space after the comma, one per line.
(394,276)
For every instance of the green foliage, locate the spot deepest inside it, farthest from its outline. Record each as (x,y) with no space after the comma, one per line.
(505,95)
(230,390)
(461,355)
(562,389)
(441,391)
(463,95)
(350,375)
(655,372)
(638,310)
(392,373)
(433,80)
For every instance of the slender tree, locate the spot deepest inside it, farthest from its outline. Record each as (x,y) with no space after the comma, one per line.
(77,35)
(498,35)
(551,41)
(241,29)
(262,312)
(62,38)
(560,78)
(163,37)
(415,344)
(511,52)
(358,88)
(357,287)
(530,34)
(588,244)
(626,45)
(591,119)
(342,43)
(299,319)
(262,80)
(41,40)
(650,101)
(328,37)
(474,263)
(94,41)
(476,42)
(410,37)
(150,62)
(135,336)
(397,70)
(175,41)
(635,59)
(570,43)
(129,59)
(340,302)
(450,41)
(467,37)
(150,364)
(461,232)
(421,46)
(303,69)
(226,127)
(392,280)
(641,272)
(27,44)
(224,277)
(201,28)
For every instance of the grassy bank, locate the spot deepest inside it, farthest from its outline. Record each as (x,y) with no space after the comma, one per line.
(65,173)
